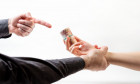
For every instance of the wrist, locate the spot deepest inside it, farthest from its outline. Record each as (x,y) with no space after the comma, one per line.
(10,26)
(108,57)
(85,58)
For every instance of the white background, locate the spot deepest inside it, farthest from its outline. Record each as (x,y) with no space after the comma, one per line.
(115,23)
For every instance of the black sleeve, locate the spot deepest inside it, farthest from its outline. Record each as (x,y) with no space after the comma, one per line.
(4,30)
(35,71)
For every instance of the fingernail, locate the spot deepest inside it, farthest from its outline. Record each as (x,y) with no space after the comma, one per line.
(50,26)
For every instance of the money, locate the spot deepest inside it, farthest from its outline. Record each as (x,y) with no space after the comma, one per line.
(67,32)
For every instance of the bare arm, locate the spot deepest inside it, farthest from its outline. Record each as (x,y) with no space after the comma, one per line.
(128,60)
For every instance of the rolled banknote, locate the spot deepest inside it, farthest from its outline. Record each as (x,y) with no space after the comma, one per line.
(67,32)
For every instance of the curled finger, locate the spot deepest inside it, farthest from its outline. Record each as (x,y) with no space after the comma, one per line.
(22,33)
(26,22)
(24,28)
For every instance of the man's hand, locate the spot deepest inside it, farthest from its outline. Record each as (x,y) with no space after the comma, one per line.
(95,60)
(23,24)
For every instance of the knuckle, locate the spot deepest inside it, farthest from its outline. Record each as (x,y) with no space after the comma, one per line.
(18,25)
(22,35)
(29,29)
(104,67)
(29,23)
(24,22)
(25,34)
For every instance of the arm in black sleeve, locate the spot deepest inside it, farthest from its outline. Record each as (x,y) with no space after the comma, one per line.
(4,30)
(35,71)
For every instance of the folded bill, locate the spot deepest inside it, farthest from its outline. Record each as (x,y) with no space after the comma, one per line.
(67,32)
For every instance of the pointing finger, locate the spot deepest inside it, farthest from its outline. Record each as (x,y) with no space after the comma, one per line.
(41,22)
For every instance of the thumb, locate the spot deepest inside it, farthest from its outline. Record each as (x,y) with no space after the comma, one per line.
(28,15)
(104,49)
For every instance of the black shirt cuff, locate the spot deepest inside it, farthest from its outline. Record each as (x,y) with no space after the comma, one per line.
(4,30)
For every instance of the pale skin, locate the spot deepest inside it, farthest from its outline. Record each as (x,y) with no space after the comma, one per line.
(93,56)
(129,60)
(22,25)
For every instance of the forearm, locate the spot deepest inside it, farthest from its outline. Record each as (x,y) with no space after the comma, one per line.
(65,67)
(128,60)
(4,29)
(36,71)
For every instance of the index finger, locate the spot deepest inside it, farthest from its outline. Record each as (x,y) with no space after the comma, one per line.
(41,22)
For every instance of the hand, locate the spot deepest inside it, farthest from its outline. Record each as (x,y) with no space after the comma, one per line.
(23,24)
(93,55)
(95,59)
(79,48)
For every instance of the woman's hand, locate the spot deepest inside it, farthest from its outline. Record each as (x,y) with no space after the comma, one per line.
(80,47)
